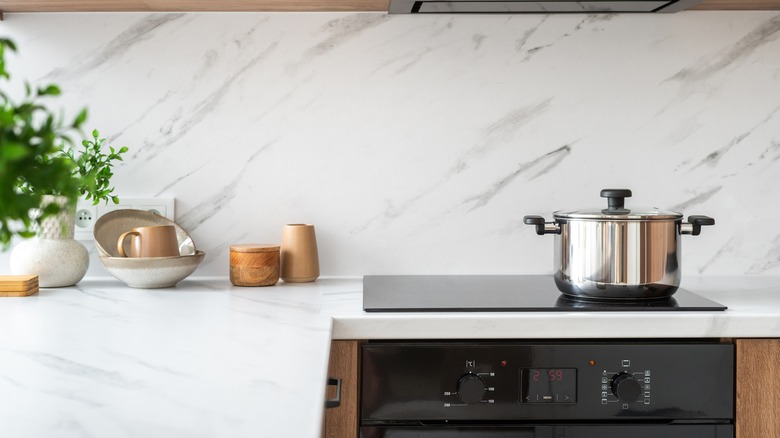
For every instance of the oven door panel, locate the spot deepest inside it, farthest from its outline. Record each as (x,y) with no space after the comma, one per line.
(570,431)
(436,381)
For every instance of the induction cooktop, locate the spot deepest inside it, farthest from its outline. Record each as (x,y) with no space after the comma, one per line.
(501,293)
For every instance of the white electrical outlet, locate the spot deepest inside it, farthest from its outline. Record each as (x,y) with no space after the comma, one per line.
(87,214)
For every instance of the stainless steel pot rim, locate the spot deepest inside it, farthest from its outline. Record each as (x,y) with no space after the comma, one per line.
(647,215)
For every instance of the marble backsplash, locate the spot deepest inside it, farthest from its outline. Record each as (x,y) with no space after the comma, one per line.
(415,144)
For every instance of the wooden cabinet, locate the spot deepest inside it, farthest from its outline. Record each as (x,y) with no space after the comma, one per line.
(277,5)
(342,422)
(758,388)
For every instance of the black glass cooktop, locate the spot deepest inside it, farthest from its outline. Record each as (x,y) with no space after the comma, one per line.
(500,293)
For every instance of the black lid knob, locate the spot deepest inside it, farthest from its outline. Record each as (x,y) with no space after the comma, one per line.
(616,198)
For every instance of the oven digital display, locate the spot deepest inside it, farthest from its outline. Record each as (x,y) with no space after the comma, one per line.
(548,385)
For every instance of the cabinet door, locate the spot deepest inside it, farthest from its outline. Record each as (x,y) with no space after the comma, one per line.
(342,422)
(758,388)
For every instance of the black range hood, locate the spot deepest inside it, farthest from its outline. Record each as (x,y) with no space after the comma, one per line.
(538,7)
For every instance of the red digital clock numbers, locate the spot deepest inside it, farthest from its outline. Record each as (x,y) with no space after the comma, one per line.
(548,385)
(547,375)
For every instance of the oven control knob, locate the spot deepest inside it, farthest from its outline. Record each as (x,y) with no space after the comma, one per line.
(471,389)
(626,387)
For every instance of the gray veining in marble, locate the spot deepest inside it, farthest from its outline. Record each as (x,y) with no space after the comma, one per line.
(142,30)
(547,162)
(765,33)
(410,140)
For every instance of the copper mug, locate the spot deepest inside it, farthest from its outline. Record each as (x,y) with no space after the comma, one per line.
(154,241)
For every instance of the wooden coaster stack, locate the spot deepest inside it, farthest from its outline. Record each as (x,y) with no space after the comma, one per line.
(18,285)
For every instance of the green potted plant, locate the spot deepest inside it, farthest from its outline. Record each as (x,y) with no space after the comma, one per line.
(41,177)
(30,138)
(91,169)
(94,168)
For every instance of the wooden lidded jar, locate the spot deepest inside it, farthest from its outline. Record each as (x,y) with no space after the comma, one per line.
(254,264)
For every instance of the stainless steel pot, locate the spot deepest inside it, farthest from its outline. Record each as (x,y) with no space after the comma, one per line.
(618,253)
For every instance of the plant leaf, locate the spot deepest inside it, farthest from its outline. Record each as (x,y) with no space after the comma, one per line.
(14,151)
(80,118)
(49,90)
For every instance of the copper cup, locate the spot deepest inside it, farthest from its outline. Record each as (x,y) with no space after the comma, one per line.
(154,241)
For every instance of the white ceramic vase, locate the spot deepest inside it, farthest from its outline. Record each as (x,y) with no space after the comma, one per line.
(53,255)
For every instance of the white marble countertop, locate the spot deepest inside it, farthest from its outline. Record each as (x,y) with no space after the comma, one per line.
(206,359)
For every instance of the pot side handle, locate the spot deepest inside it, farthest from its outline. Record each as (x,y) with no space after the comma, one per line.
(542,227)
(694,224)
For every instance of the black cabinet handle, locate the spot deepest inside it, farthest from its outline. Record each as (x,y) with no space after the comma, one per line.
(334,402)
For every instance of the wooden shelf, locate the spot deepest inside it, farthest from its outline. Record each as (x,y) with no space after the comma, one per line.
(8,6)
(737,5)
(278,5)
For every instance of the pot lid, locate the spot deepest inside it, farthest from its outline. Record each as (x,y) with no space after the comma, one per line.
(616,210)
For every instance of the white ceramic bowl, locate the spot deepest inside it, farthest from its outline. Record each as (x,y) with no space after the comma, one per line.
(112,224)
(152,272)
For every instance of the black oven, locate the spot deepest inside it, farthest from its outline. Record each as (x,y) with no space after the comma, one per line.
(547,389)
